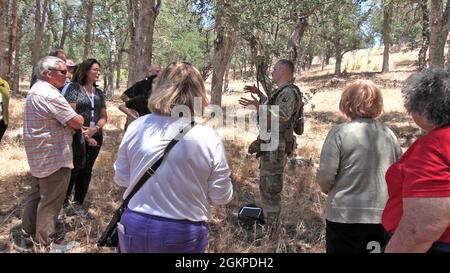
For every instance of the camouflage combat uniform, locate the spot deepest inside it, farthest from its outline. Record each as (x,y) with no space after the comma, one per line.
(272,163)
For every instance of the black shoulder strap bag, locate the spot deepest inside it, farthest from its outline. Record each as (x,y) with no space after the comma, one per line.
(110,237)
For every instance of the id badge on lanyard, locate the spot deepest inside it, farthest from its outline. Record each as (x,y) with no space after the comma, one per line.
(92,122)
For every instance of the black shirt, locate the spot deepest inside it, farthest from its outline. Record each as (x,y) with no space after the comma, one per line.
(139,104)
(140,88)
(75,94)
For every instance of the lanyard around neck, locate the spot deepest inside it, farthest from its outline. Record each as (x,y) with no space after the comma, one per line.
(92,100)
(90,97)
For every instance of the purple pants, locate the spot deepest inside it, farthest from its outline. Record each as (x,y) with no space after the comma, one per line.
(143,233)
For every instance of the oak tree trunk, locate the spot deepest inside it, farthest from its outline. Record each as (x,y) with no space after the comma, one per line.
(119,68)
(387,10)
(338,56)
(132,19)
(65,27)
(147,13)
(4,39)
(88,29)
(425,34)
(39,24)
(223,49)
(440,26)
(296,37)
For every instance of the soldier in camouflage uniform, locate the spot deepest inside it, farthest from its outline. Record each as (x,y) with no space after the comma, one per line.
(289,99)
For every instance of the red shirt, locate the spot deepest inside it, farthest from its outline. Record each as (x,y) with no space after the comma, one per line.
(423,171)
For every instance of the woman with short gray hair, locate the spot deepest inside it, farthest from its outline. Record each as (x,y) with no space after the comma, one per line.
(418,209)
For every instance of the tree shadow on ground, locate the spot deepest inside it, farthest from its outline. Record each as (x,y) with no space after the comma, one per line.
(331,81)
(403,127)
(14,189)
(325,117)
(406,63)
(399,122)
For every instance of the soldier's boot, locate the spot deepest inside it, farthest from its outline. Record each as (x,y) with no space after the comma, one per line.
(272,222)
(271,203)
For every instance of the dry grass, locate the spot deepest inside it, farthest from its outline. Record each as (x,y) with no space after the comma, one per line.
(302,223)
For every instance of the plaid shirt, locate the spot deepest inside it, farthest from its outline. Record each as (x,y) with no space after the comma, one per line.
(47,141)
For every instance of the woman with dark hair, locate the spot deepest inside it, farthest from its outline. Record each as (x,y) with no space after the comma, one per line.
(417,212)
(88,101)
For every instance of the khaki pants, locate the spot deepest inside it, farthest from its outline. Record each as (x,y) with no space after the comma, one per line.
(43,203)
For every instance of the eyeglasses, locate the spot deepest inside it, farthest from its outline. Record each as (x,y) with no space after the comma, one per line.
(63,71)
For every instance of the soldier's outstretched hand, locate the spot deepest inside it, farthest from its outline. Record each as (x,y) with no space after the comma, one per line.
(249,102)
(252,89)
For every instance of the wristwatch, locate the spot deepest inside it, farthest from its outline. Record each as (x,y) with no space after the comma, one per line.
(98,128)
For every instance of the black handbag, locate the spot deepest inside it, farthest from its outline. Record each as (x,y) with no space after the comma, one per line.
(110,237)
(79,150)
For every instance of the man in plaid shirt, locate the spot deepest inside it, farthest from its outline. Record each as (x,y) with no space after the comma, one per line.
(47,135)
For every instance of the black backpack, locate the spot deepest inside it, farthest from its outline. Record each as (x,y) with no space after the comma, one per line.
(299,121)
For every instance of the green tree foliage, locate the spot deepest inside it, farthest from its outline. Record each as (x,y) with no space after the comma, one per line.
(405,22)
(342,25)
(185,30)
(181,34)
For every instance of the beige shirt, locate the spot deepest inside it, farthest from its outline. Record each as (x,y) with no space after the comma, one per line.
(47,141)
(353,162)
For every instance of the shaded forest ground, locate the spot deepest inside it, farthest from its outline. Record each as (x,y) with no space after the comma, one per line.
(302,223)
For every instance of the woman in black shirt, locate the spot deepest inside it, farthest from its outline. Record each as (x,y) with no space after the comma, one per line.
(88,101)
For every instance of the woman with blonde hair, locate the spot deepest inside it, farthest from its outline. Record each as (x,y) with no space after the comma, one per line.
(169,212)
(353,162)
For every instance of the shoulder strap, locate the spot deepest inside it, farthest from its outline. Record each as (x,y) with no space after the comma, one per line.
(297,93)
(151,171)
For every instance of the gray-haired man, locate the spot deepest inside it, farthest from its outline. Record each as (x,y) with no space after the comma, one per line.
(47,135)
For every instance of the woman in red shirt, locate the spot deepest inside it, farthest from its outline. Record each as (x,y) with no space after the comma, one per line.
(417,212)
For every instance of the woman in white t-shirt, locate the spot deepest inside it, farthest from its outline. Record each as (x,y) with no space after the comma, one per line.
(169,212)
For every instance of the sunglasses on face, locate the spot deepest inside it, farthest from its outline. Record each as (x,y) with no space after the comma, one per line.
(63,71)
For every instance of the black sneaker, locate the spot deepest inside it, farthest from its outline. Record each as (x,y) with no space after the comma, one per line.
(82,212)
(60,231)
(22,241)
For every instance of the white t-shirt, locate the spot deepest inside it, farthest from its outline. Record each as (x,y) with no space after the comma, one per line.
(193,175)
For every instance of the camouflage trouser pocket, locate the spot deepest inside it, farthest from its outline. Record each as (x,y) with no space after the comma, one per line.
(290,147)
(271,184)
(278,155)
